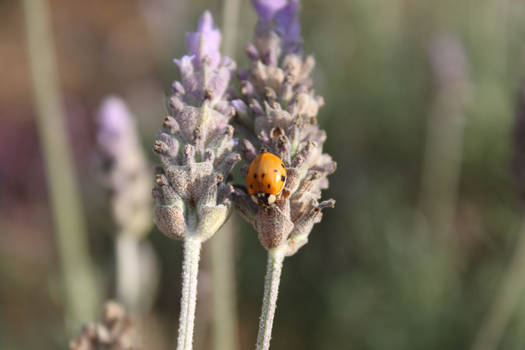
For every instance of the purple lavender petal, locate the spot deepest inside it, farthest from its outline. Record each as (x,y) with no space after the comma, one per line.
(240,106)
(204,56)
(252,52)
(191,82)
(205,41)
(281,17)
(287,25)
(266,9)
(218,83)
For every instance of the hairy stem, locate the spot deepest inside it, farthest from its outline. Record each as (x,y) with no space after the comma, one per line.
(188,301)
(271,290)
(81,295)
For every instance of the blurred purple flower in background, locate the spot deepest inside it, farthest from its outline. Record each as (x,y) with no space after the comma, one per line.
(115,126)
(126,169)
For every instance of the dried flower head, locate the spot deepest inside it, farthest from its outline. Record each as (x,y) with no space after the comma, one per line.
(277,110)
(196,141)
(115,332)
(125,168)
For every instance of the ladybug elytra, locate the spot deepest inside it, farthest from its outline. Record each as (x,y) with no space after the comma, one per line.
(266,178)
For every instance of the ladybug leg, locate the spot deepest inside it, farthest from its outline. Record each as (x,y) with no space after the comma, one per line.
(254,199)
(240,187)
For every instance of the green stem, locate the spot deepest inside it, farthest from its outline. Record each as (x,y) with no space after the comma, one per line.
(188,301)
(224,326)
(78,276)
(224,322)
(444,142)
(128,262)
(506,300)
(230,16)
(271,290)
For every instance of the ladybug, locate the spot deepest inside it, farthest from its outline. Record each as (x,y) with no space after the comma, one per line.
(266,178)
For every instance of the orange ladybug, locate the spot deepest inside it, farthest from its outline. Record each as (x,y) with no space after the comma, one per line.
(266,178)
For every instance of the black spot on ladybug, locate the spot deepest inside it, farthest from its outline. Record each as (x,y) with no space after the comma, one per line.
(283,178)
(268,185)
(251,186)
(274,170)
(255,175)
(263,174)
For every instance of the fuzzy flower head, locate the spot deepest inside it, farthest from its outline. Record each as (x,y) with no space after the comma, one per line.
(125,168)
(196,141)
(277,111)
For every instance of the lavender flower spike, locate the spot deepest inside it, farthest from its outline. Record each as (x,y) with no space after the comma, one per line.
(126,169)
(277,110)
(127,175)
(195,147)
(195,143)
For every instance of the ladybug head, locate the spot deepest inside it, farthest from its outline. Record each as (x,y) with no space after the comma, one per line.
(264,199)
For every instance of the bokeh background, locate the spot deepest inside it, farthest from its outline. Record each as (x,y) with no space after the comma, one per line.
(420,105)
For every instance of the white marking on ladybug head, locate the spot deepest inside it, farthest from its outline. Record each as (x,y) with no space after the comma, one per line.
(271,199)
